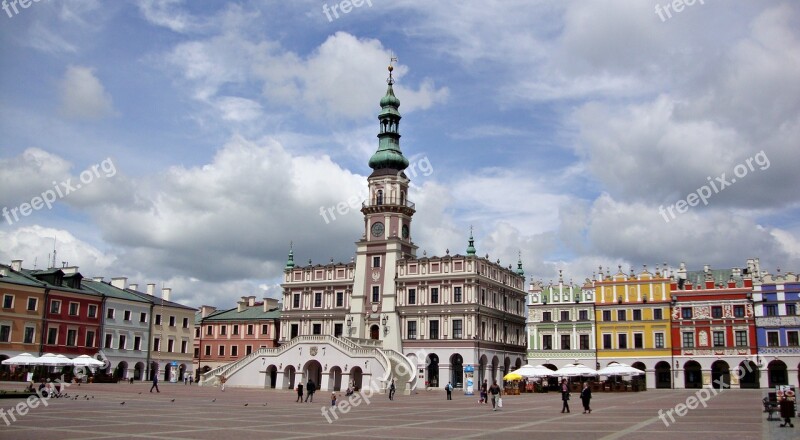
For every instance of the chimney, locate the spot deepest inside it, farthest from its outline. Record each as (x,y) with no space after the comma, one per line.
(16,265)
(3,271)
(119,282)
(151,289)
(241,305)
(207,310)
(251,301)
(133,287)
(97,279)
(270,304)
(69,270)
(165,293)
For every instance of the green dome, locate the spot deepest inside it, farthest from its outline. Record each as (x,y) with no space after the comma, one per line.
(389,100)
(388,158)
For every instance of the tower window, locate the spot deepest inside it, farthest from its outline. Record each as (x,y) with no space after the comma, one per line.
(376,294)
(379,197)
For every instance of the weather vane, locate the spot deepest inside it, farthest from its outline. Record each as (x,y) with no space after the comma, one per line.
(392,59)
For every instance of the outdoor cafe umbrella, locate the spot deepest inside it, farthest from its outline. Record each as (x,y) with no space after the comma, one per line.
(52,360)
(21,359)
(86,361)
(619,369)
(530,371)
(512,376)
(573,370)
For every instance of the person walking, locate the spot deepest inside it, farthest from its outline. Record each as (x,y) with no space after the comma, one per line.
(564,395)
(449,389)
(310,388)
(484,393)
(222,380)
(586,396)
(185,379)
(299,393)
(495,391)
(391,390)
(155,382)
(191,379)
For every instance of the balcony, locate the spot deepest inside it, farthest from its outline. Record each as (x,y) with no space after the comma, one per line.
(387,203)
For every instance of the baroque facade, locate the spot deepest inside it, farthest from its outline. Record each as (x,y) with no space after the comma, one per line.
(390,314)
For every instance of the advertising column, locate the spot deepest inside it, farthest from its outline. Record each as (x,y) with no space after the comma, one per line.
(469,384)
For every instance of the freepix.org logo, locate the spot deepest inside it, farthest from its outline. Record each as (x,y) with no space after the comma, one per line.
(59,191)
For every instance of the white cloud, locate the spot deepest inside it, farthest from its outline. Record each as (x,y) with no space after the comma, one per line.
(83,95)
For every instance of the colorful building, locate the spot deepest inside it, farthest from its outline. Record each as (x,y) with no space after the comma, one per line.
(714,329)
(223,336)
(126,329)
(73,316)
(561,327)
(22,315)
(633,323)
(777,300)
(171,335)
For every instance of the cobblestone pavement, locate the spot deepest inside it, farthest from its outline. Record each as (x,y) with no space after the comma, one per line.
(192,412)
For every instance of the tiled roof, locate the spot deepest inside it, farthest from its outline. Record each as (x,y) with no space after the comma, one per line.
(111,291)
(158,301)
(255,312)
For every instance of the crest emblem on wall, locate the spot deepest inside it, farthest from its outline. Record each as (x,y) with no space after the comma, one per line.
(313,351)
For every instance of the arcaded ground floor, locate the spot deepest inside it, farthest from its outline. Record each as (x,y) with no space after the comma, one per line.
(192,412)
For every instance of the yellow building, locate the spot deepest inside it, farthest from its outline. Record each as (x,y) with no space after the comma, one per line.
(632,314)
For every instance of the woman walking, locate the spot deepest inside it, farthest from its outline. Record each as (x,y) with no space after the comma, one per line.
(564,395)
(586,396)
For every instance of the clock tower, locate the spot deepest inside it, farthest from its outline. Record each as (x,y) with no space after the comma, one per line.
(387,233)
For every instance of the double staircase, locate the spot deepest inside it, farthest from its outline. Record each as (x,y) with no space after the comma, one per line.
(396,365)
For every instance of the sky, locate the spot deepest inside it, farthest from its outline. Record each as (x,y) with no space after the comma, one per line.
(187,144)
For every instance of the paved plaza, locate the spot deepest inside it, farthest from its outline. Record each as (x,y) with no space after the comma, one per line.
(191,412)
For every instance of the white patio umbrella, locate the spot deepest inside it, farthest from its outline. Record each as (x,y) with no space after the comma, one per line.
(619,369)
(531,371)
(21,359)
(573,370)
(52,360)
(87,361)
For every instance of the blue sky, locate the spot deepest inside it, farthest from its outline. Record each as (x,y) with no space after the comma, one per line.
(561,130)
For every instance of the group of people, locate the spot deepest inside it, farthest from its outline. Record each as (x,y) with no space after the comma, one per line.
(310,389)
(586,397)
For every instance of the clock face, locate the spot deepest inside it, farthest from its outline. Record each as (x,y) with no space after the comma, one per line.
(405,231)
(377,229)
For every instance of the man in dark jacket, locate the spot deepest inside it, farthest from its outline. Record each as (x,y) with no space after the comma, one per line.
(310,388)
(299,393)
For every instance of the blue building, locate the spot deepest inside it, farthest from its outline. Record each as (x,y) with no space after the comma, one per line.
(776,301)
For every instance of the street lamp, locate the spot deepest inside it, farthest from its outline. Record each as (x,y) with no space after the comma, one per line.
(385,321)
(349,326)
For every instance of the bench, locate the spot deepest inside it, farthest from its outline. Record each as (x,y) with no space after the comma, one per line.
(771,407)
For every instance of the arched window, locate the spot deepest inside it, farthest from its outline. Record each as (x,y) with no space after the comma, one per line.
(379,197)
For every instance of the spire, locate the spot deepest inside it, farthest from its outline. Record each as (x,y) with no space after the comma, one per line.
(290,261)
(471,247)
(389,156)
(519,265)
